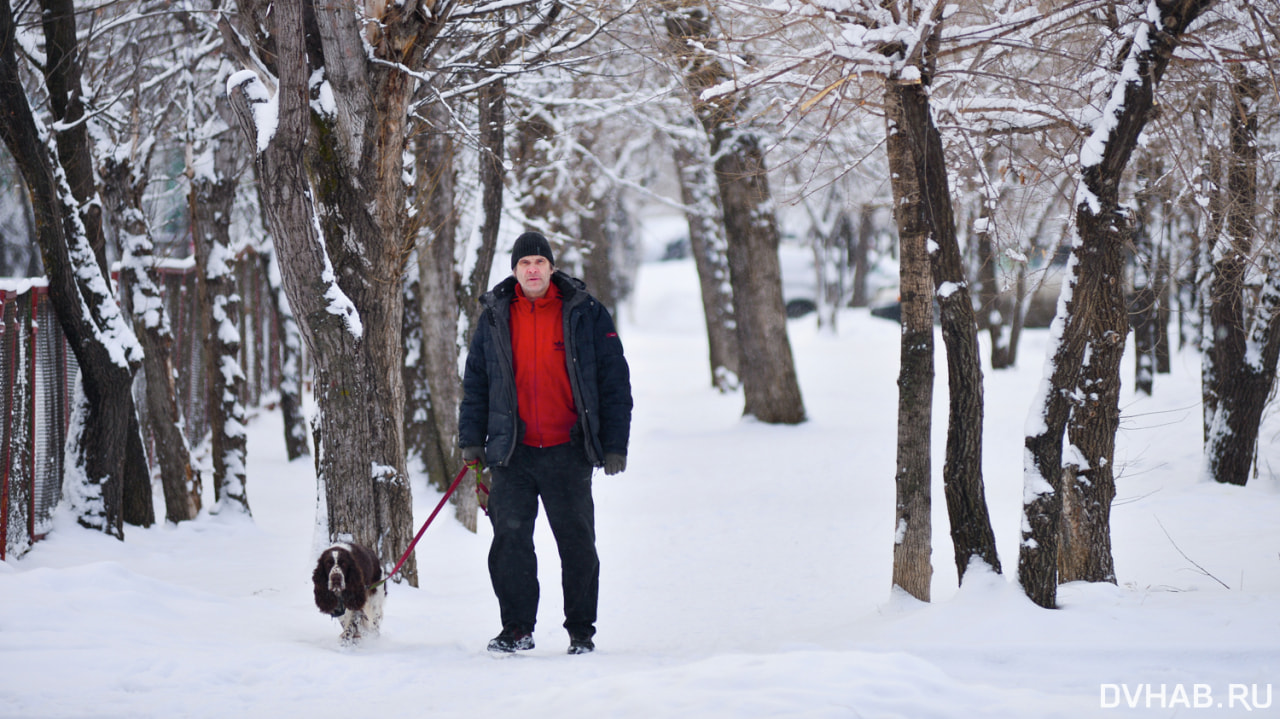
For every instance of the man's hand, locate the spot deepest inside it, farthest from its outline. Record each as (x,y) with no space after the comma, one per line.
(473,456)
(614,463)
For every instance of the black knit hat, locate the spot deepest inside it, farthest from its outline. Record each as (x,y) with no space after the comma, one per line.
(531,243)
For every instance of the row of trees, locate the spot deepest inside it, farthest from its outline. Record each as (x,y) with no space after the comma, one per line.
(372,152)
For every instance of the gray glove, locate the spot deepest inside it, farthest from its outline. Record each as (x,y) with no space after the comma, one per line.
(614,463)
(473,456)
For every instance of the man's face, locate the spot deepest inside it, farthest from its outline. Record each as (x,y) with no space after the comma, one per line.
(533,272)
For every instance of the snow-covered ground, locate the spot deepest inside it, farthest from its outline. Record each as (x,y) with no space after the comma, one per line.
(745,573)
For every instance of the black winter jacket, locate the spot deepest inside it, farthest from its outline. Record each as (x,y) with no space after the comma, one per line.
(598,374)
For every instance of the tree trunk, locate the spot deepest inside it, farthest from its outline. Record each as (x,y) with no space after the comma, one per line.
(1091,322)
(1146,305)
(992,316)
(439,291)
(913,533)
(971,533)
(1164,288)
(420,437)
(708,246)
(602,233)
(295,421)
(492,109)
(1212,272)
(330,326)
(345,285)
(101,340)
(139,505)
(211,201)
(357,170)
(1244,359)
(1088,477)
(537,180)
(861,259)
(62,73)
(123,186)
(771,391)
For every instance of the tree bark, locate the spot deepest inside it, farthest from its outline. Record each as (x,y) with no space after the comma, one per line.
(771,391)
(971,534)
(123,187)
(139,505)
(101,340)
(536,178)
(709,248)
(1088,476)
(212,197)
(439,306)
(329,326)
(295,422)
(356,165)
(62,72)
(345,284)
(599,232)
(492,108)
(913,533)
(421,439)
(1091,322)
(992,316)
(1146,308)
(1244,356)
(861,259)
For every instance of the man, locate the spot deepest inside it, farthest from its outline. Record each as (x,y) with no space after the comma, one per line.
(546,399)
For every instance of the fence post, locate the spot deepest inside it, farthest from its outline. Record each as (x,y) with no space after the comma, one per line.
(8,441)
(35,347)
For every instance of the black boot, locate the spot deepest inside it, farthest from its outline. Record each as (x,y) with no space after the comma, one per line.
(512,639)
(581,644)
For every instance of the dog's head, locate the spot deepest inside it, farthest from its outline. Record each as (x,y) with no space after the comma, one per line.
(337,573)
(340,581)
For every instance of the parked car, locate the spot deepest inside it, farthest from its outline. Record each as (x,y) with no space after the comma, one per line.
(1043,287)
(799,279)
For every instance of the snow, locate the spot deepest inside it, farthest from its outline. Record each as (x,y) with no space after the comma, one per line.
(324,102)
(264,104)
(338,303)
(1095,145)
(20,285)
(745,573)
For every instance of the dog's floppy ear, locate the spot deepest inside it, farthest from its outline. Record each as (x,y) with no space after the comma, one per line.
(368,562)
(321,573)
(326,601)
(357,589)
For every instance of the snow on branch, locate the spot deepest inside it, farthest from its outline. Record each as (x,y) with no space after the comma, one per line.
(339,303)
(97,301)
(1095,146)
(264,105)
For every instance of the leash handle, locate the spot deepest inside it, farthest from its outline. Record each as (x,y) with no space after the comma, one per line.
(482,492)
(404,557)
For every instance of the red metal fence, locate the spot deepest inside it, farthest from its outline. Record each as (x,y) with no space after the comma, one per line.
(35,364)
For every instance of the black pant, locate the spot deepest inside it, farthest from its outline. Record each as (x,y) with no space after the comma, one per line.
(561,475)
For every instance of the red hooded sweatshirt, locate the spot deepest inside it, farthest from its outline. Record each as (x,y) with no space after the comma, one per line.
(543,394)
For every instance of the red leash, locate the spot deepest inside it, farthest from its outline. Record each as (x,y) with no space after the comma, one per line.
(456,481)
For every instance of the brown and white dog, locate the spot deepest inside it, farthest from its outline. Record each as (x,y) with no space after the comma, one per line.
(343,582)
